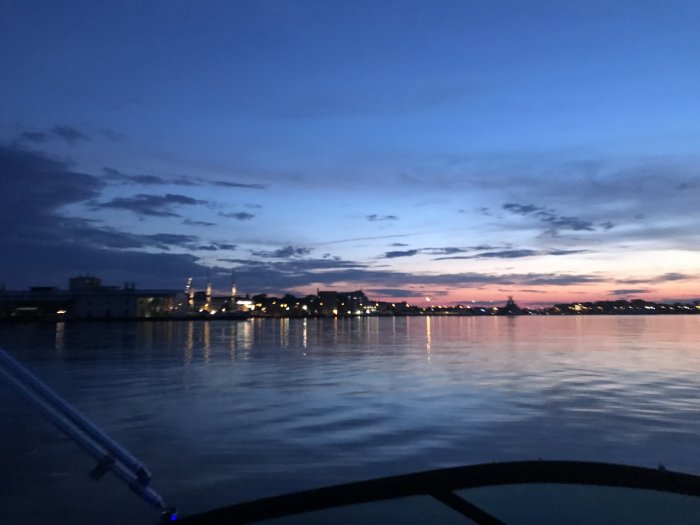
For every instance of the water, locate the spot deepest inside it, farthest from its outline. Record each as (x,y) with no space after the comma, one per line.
(223,412)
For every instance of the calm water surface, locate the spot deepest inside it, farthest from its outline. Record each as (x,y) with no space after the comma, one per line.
(224,412)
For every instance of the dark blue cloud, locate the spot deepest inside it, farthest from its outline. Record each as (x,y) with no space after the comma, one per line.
(150,205)
(506,254)
(368,238)
(282,253)
(523,209)
(239,216)
(25,266)
(560,279)
(428,251)
(166,240)
(69,134)
(228,184)
(512,254)
(36,185)
(272,276)
(630,291)
(568,223)
(566,252)
(447,250)
(554,223)
(182,180)
(673,276)
(374,217)
(41,246)
(144,180)
(394,292)
(65,133)
(400,253)
(487,247)
(667,277)
(190,222)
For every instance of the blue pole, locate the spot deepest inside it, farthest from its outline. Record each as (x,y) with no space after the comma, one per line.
(108,453)
(84,424)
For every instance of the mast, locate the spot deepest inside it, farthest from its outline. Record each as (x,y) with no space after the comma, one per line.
(208,289)
(189,292)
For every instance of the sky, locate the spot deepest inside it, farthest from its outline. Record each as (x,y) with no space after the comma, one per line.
(457,150)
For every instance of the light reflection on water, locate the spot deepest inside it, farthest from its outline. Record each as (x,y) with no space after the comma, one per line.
(228,411)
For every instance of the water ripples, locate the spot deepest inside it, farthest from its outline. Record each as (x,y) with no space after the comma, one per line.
(230,411)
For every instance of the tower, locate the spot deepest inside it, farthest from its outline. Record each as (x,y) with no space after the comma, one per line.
(189,292)
(208,288)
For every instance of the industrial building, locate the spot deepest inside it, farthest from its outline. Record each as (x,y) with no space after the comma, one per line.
(87,298)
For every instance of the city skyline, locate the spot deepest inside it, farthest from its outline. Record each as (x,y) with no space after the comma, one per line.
(462,151)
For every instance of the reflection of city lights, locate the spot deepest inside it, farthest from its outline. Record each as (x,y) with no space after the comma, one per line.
(428,336)
(60,329)
(305,335)
(206,336)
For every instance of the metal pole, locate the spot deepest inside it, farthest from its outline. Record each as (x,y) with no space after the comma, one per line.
(83,442)
(109,455)
(87,426)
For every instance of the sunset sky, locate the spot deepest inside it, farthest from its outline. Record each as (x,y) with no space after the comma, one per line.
(459,150)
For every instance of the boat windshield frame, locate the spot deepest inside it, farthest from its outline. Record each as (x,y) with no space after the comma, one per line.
(442,485)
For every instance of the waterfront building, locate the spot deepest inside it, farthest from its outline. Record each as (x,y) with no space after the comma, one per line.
(352,303)
(327,302)
(87,298)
